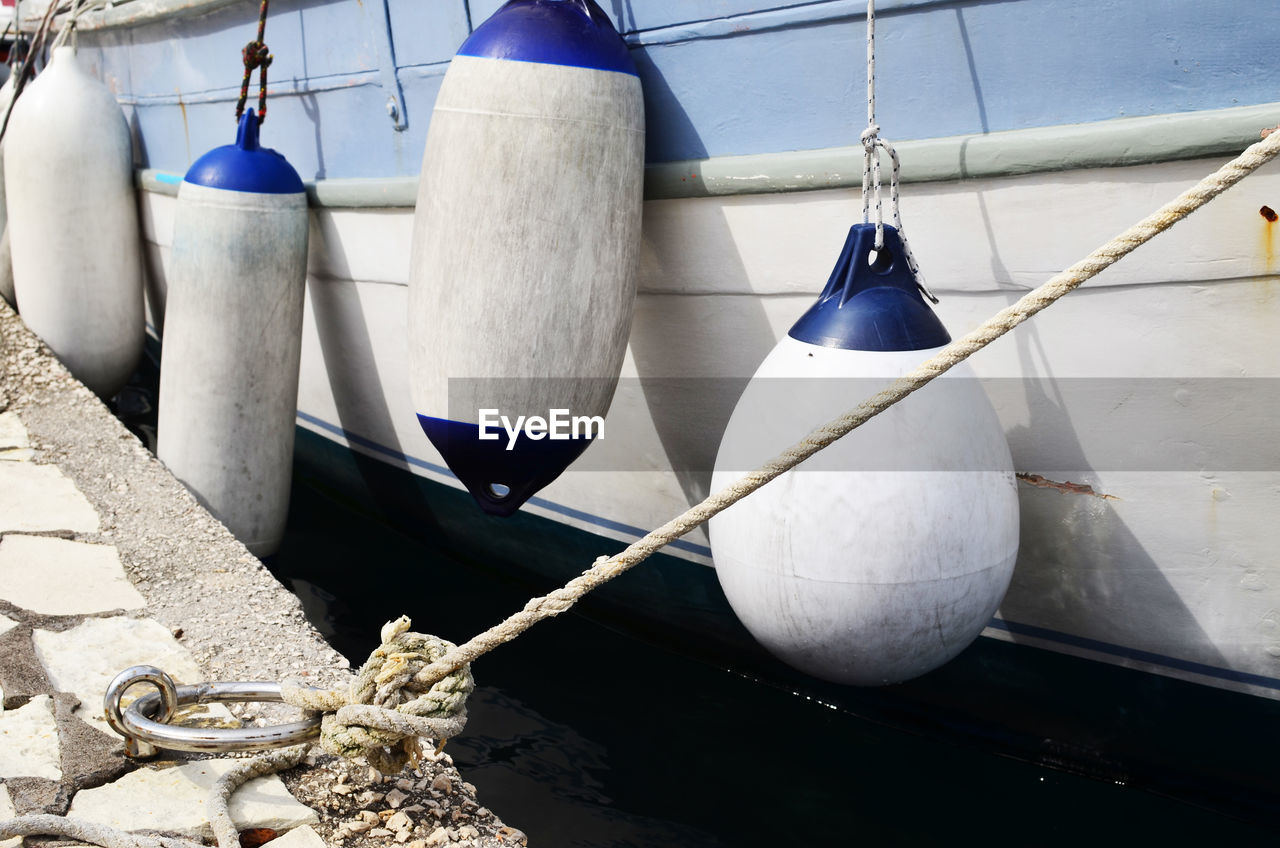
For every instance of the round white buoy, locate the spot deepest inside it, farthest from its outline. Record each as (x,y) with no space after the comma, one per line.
(525,244)
(885,555)
(73,223)
(233,335)
(6,259)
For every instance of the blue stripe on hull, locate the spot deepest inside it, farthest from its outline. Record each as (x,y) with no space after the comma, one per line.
(1148,657)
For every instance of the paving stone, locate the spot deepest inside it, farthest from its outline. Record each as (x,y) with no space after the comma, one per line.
(7,812)
(35,795)
(29,741)
(21,675)
(38,498)
(6,624)
(172,800)
(83,660)
(58,577)
(299,837)
(12,433)
(89,758)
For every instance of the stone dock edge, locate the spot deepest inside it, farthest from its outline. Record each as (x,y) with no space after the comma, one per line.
(107,561)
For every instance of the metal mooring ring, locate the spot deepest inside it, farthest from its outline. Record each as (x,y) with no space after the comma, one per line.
(144,725)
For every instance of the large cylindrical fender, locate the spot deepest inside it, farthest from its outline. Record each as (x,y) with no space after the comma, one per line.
(526,240)
(886,554)
(73,223)
(233,336)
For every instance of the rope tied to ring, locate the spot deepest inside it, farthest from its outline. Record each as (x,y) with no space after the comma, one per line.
(380,715)
(387,708)
(256,56)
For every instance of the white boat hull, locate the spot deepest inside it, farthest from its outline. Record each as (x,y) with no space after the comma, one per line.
(1148,533)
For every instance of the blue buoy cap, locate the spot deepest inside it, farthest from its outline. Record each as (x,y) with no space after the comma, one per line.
(245,166)
(554,32)
(499,479)
(871,305)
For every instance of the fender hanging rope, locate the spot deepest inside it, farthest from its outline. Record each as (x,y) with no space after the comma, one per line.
(872,144)
(256,55)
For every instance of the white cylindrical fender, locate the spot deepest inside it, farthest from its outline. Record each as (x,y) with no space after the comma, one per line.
(6,256)
(233,336)
(526,240)
(886,554)
(73,223)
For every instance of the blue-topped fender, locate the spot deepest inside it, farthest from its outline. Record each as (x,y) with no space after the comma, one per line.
(245,165)
(553,32)
(871,305)
(500,480)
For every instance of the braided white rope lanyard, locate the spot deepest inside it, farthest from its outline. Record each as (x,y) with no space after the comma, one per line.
(872,144)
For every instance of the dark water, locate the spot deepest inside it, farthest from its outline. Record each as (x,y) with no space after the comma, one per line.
(581,736)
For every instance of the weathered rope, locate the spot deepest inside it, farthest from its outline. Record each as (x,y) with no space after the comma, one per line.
(385,710)
(217,805)
(607,568)
(381,715)
(89,833)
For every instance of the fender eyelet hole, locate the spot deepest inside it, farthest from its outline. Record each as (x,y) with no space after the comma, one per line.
(880,261)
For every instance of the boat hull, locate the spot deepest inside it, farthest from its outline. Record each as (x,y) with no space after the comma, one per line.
(1139,410)
(1136,409)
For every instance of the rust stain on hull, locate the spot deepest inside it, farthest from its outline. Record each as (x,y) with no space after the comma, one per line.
(1269,218)
(186,129)
(1067,488)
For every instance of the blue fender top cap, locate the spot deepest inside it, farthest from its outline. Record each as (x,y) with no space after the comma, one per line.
(554,32)
(244,166)
(871,306)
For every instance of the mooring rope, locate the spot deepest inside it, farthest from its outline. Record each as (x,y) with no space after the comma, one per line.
(385,710)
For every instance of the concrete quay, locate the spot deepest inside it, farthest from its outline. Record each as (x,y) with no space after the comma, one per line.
(107,561)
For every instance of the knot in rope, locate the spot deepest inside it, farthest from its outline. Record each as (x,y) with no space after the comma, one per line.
(256,56)
(870,138)
(389,705)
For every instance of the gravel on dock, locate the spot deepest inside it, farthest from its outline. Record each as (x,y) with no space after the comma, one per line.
(178,585)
